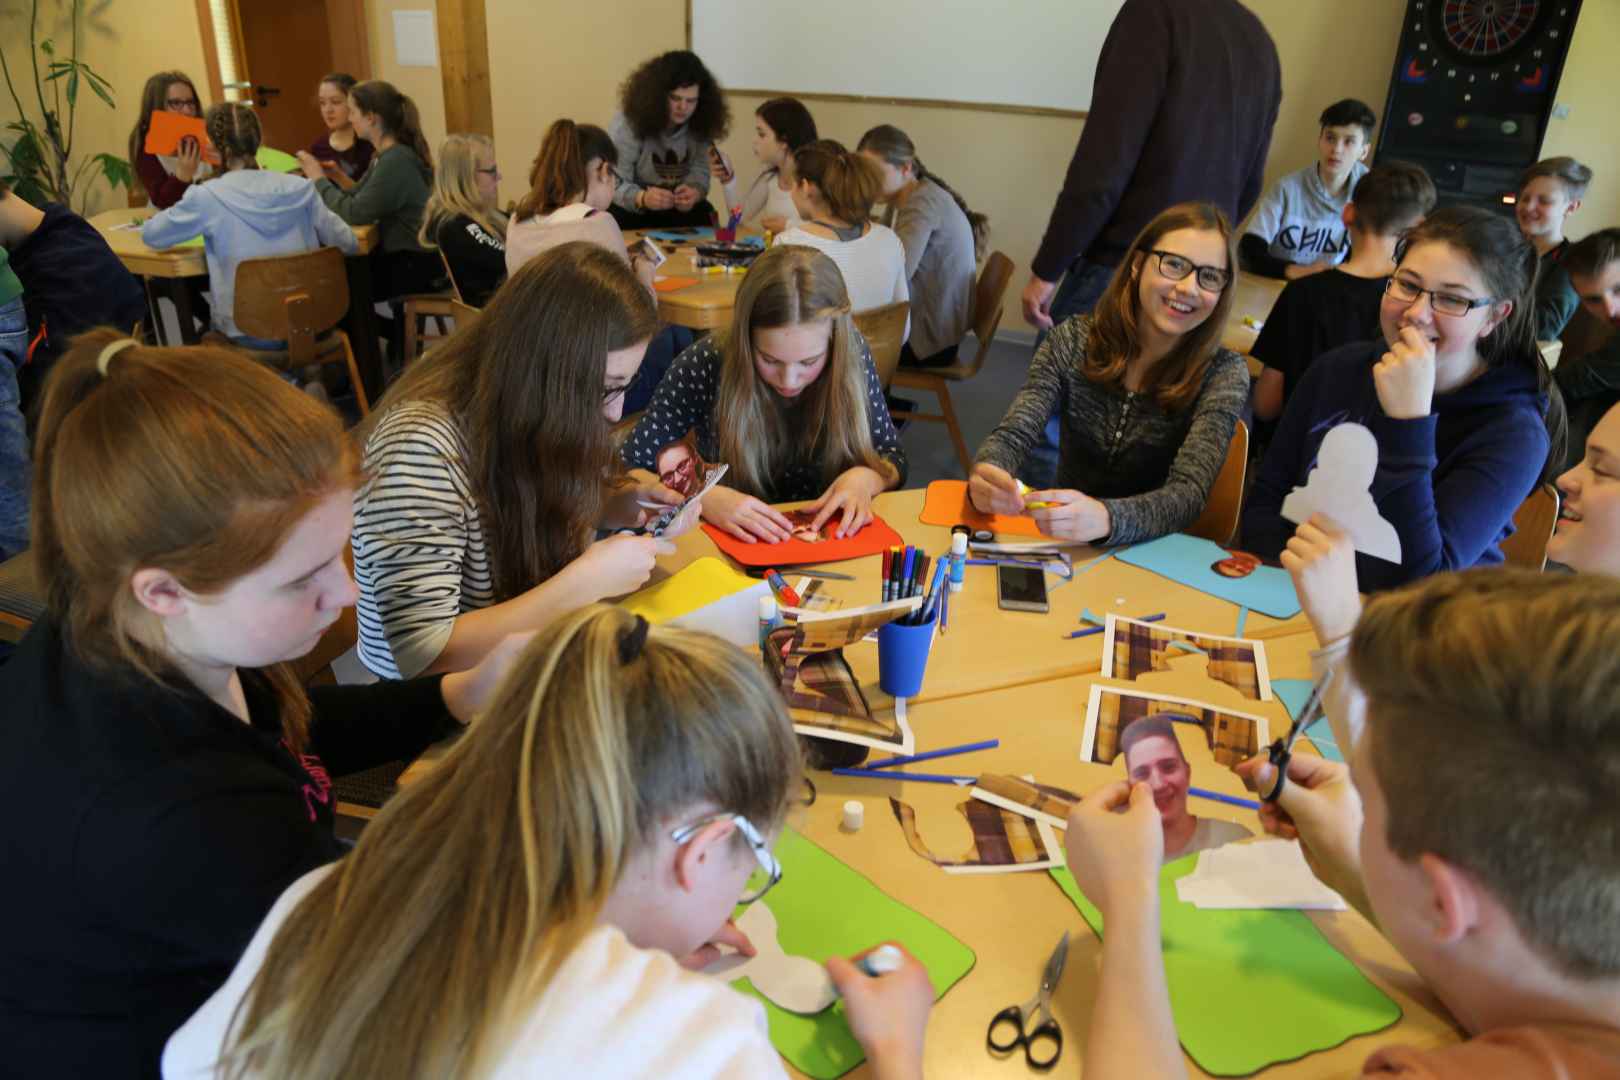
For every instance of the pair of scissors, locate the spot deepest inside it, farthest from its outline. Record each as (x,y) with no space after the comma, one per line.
(1281,751)
(1041,1039)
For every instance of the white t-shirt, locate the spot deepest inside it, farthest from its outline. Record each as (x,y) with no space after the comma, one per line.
(612,1010)
(873,265)
(1210,833)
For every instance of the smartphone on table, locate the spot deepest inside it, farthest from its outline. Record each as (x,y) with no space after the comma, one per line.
(1021,588)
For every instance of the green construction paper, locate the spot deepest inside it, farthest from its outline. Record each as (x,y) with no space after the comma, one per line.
(1251,989)
(276,160)
(195,241)
(823,908)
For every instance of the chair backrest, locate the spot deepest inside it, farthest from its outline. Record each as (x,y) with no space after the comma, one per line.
(884,329)
(1219,521)
(293,298)
(1533,524)
(463,314)
(988,295)
(455,290)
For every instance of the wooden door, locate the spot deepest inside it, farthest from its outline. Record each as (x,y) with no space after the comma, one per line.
(287,47)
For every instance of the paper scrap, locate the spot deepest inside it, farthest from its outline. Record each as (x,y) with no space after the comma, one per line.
(1339,486)
(416,42)
(794,983)
(1260,874)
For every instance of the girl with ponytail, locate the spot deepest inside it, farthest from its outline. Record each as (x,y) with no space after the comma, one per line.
(1463,407)
(245,213)
(540,894)
(834,196)
(393,192)
(943,240)
(190,521)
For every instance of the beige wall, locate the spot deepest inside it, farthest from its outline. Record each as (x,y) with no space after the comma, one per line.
(1591,89)
(125,41)
(421,84)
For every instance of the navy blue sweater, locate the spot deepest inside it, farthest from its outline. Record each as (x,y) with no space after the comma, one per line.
(1449,482)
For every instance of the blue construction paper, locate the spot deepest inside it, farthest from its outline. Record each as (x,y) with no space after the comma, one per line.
(1292,693)
(1188,560)
(682,236)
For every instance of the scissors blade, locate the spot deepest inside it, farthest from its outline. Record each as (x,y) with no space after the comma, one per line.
(1054,966)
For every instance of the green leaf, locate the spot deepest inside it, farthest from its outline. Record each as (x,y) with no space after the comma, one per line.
(47,47)
(101,92)
(115,169)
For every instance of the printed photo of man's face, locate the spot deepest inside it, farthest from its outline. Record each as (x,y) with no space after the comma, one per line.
(678,469)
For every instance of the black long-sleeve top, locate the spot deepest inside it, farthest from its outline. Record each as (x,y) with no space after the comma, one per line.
(148,833)
(1181,109)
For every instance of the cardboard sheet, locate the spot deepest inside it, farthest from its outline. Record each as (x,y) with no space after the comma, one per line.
(871,540)
(946,503)
(1191,561)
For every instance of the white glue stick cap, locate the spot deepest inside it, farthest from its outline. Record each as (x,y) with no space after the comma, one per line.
(959,543)
(882,960)
(854,815)
(767,608)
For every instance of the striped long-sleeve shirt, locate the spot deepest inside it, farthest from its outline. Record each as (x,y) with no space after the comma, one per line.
(419,554)
(1153,469)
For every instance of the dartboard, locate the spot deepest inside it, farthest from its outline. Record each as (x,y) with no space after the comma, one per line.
(1482,29)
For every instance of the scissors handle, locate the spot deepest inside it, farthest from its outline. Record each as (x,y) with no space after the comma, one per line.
(1012,1016)
(1044,1045)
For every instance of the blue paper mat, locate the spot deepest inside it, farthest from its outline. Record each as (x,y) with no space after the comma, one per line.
(1292,693)
(1188,559)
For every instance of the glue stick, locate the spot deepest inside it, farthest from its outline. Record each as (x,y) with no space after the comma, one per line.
(959,542)
(769,618)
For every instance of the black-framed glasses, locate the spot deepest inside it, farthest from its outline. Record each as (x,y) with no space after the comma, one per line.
(1407,292)
(611,392)
(769,871)
(180,103)
(491,171)
(1176,267)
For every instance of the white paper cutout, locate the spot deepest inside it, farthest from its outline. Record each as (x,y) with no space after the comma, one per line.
(792,982)
(1338,486)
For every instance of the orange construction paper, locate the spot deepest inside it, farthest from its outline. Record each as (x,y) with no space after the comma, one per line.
(947,504)
(670,284)
(872,539)
(167,129)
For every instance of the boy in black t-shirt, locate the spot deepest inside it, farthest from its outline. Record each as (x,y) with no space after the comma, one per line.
(1340,305)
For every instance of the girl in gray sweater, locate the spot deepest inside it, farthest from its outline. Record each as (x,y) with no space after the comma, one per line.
(1147,398)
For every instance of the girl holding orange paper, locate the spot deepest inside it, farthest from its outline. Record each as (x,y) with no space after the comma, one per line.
(165,177)
(788,397)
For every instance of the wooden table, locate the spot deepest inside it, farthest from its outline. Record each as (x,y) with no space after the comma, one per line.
(1008,675)
(1255,297)
(704,306)
(168,273)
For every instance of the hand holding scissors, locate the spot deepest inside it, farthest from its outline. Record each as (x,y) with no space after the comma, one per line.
(1043,1042)
(1281,751)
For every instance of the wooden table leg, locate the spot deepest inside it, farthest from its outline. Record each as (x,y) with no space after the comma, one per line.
(361,325)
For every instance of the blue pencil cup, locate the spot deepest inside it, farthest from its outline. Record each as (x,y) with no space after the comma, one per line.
(903,656)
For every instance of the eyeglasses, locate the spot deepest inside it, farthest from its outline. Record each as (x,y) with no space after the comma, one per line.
(181,103)
(1451,304)
(769,872)
(491,171)
(1176,267)
(611,392)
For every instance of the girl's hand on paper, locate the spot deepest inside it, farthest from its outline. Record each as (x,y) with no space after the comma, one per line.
(992,490)
(887,1014)
(1114,845)
(187,159)
(851,495)
(1322,562)
(632,506)
(730,937)
(744,516)
(1071,515)
(620,564)
(311,165)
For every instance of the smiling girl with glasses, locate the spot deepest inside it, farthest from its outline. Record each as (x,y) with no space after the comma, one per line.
(166,178)
(1456,394)
(1146,397)
(531,906)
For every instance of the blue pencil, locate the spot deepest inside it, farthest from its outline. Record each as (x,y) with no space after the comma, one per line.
(927,778)
(944,751)
(1230,800)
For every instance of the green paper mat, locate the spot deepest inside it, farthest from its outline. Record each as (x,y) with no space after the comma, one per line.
(276,160)
(823,908)
(1250,989)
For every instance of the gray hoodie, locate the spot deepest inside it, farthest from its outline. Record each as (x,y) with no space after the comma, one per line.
(667,160)
(247,214)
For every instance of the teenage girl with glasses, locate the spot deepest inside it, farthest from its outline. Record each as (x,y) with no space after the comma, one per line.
(1457,396)
(463,220)
(166,178)
(1146,396)
(532,904)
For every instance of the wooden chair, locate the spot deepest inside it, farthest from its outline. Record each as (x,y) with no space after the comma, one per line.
(463,314)
(1219,521)
(987,298)
(1533,524)
(22,596)
(884,329)
(419,308)
(299,299)
(455,290)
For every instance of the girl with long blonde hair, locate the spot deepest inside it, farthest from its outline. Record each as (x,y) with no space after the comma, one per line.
(191,547)
(462,220)
(788,397)
(530,904)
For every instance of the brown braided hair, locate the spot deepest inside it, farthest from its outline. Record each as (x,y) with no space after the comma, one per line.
(234,130)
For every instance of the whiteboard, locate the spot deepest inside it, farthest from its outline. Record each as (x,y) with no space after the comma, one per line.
(1037,53)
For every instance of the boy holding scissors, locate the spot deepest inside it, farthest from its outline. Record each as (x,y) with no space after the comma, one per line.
(1475,825)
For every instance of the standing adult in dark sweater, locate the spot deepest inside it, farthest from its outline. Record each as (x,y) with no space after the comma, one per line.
(1181,111)
(186,773)
(1458,404)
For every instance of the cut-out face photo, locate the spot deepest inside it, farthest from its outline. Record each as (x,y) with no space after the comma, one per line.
(801,521)
(1153,756)
(680,467)
(1237,564)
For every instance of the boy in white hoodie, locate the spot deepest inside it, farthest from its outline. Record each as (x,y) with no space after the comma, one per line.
(245,213)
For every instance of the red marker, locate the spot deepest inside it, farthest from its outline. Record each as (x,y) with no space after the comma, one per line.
(784,592)
(888,565)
